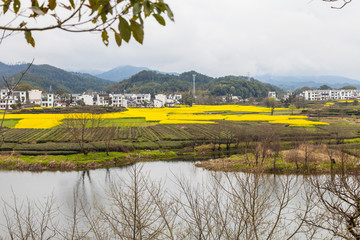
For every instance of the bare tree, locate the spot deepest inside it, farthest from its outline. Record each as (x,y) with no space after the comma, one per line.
(139,209)
(82,127)
(30,220)
(337,199)
(11,87)
(345,2)
(242,206)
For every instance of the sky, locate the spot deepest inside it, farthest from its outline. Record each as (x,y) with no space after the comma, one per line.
(216,38)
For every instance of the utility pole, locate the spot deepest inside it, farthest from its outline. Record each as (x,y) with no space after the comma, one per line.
(194,76)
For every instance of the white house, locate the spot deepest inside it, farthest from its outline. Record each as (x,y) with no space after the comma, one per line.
(47,100)
(35,96)
(160,100)
(272,94)
(138,100)
(87,99)
(342,94)
(118,100)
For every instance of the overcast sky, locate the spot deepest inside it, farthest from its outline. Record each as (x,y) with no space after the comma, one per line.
(217,38)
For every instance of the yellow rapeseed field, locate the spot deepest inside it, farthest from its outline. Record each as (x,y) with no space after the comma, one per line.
(202,114)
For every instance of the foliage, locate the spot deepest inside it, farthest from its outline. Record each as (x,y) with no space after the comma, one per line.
(325,87)
(125,19)
(349,87)
(152,82)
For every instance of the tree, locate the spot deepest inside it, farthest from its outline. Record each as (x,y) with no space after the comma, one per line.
(345,2)
(139,209)
(325,87)
(125,18)
(82,127)
(270,102)
(348,87)
(11,86)
(292,108)
(241,206)
(300,90)
(337,204)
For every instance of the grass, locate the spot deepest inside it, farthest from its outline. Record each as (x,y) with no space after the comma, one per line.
(128,122)
(78,161)
(10,123)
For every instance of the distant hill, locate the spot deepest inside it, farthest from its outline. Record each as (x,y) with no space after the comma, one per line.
(294,82)
(7,70)
(45,76)
(120,73)
(154,83)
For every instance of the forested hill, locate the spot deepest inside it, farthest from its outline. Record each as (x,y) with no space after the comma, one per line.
(7,70)
(154,83)
(45,76)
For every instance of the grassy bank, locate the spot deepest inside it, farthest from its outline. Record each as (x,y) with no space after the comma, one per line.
(310,159)
(70,162)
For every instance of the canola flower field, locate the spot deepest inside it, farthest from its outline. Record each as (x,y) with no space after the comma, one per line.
(199,114)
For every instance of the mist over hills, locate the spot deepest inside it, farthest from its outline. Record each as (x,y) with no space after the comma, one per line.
(120,73)
(294,82)
(142,80)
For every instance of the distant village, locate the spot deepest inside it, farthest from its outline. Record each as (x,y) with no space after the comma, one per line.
(17,99)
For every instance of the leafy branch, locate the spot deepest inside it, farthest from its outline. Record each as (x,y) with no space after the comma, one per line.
(125,18)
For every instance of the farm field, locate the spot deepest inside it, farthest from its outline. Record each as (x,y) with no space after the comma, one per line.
(199,114)
(194,130)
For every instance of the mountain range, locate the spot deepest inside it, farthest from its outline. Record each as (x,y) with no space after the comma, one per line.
(120,73)
(141,79)
(294,82)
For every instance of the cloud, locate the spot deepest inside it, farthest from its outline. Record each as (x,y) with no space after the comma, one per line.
(217,38)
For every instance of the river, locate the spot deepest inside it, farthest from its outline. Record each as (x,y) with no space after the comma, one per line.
(92,185)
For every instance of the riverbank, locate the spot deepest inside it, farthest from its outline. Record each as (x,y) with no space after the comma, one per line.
(312,160)
(306,159)
(75,162)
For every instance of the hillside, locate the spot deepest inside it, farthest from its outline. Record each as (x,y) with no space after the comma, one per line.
(7,70)
(45,76)
(154,83)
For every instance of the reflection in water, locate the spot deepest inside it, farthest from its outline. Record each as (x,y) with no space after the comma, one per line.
(90,187)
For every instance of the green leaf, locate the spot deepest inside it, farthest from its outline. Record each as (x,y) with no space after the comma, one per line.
(52,4)
(137,8)
(17,6)
(118,38)
(103,17)
(37,10)
(147,8)
(29,38)
(23,24)
(137,31)
(169,12)
(105,37)
(159,18)
(6,6)
(72,3)
(124,28)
